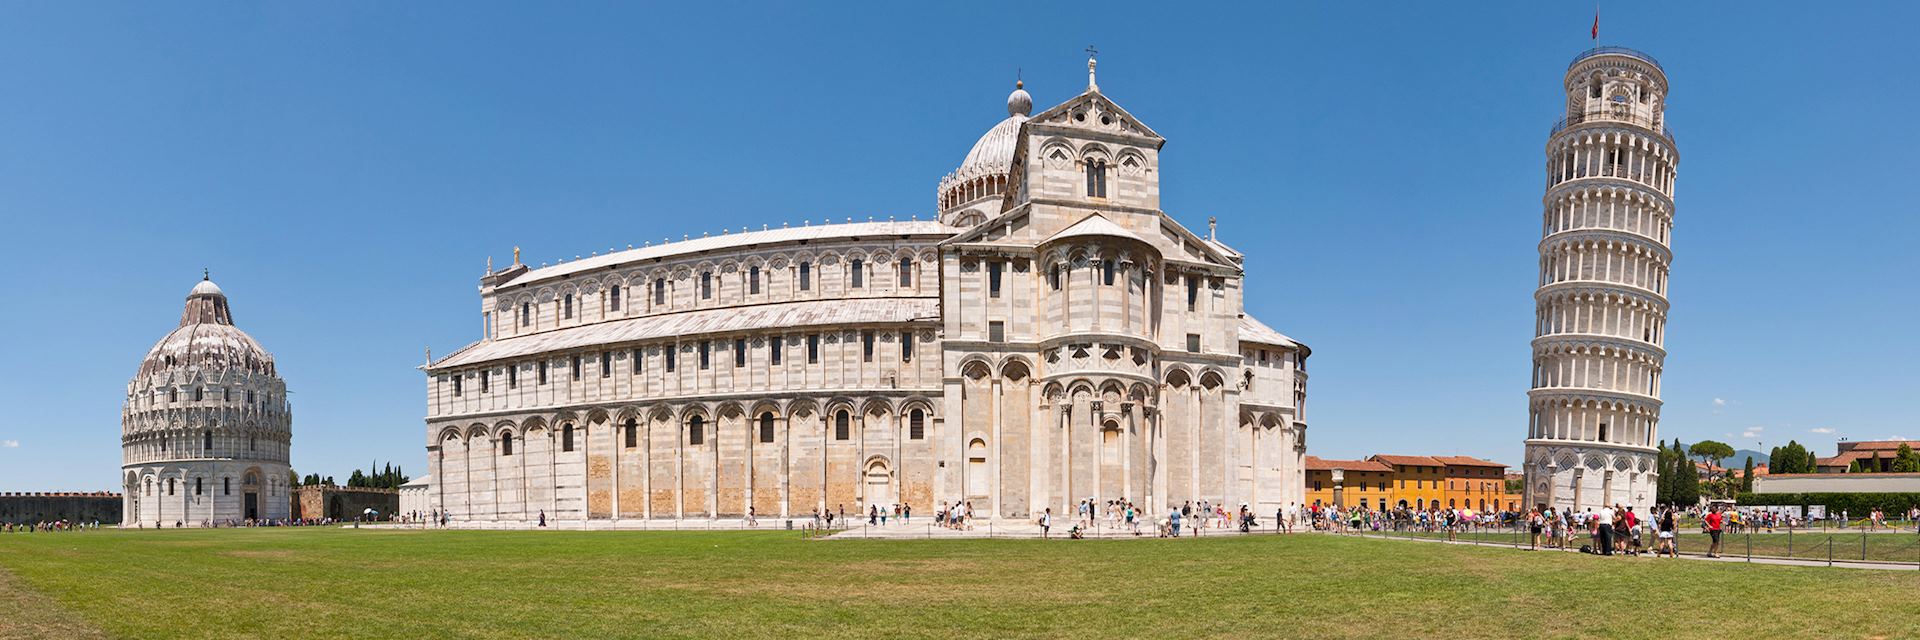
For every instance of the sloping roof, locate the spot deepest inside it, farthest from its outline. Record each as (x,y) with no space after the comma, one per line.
(1467,461)
(422,481)
(1094,225)
(1319,464)
(1407,461)
(1882,445)
(1255,331)
(729,241)
(730,319)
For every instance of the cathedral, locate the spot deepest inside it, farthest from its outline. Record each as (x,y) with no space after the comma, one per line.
(1051,337)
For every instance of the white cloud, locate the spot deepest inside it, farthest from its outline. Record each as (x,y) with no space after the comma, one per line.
(1720,404)
(1821,430)
(1752,432)
(10,444)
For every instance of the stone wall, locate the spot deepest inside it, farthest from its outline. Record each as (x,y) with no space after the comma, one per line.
(27,508)
(343,503)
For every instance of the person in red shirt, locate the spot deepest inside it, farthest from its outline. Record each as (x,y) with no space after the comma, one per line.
(1713,531)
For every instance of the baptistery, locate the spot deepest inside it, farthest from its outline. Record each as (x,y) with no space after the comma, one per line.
(1045,336)
(206,425)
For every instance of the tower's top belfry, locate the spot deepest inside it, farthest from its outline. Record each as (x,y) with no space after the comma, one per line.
(1617,84)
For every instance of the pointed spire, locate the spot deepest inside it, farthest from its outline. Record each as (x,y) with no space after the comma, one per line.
(1091,53)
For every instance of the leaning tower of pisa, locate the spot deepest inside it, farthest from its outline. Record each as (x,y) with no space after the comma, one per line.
(1601,307)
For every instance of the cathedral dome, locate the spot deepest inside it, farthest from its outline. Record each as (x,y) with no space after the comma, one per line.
(206,338)
(985,169)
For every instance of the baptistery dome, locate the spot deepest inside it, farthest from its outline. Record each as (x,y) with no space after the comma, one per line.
(207,338)
(206,428)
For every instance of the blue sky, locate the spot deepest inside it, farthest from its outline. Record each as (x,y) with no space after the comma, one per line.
(345,170)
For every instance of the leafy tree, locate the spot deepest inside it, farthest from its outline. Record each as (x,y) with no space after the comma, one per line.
(1686,480)
(1857,467)
(1711,451)
(1746,477)
(1663,490)
(1905,460)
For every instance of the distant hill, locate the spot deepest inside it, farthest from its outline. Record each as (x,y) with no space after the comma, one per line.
(1739,459)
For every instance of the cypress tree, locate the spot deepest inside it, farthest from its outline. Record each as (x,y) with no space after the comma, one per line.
(1746,477)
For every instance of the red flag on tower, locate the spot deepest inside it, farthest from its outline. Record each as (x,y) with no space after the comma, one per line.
(1596,24)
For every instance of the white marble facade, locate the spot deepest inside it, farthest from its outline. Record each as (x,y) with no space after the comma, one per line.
(1052,336)
(1600,329)
(206,427)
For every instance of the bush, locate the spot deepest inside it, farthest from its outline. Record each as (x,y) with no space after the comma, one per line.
(1855,504)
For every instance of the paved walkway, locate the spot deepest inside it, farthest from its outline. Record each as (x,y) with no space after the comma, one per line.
(1793,562)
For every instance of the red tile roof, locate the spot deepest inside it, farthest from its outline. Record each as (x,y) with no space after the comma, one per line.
(1407,461)
(1318,464)
(1467,461)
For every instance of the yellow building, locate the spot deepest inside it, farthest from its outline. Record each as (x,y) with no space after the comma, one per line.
(1345,483)
(1480,485)
(1419,482)
(1410,482)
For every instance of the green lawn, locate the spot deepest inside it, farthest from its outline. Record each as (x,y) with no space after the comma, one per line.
(410,584)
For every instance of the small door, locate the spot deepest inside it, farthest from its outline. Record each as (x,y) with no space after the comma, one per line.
(253,506)
(879,480)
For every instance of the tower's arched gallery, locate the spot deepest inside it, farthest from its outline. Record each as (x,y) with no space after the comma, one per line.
(1600,328)
(206,426)
(1052,336)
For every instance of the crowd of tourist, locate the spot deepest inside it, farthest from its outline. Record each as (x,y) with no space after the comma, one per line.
(48,527)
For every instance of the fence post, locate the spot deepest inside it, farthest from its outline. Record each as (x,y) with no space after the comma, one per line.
(1749,544)
(1789,542)
(1863,545)
(1829,551)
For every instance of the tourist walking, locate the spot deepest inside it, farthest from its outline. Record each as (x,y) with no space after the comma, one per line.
(1046,522)
(1713,523)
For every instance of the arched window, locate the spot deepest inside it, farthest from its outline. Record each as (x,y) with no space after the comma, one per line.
(916,425)
(226,486)
(198,394)
(1603,432)
(207,440)
(696,430)
(806,276)
(766,427)
(1096,178)
(173,395)
(566,438)
(613,298)
(566,307)
(506,444)
(842,424)
(906,272)
(199,486)
(170,486)
(659,290)
(753,279)
(706,285)
(632,430)
(526,313)
(858,269)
